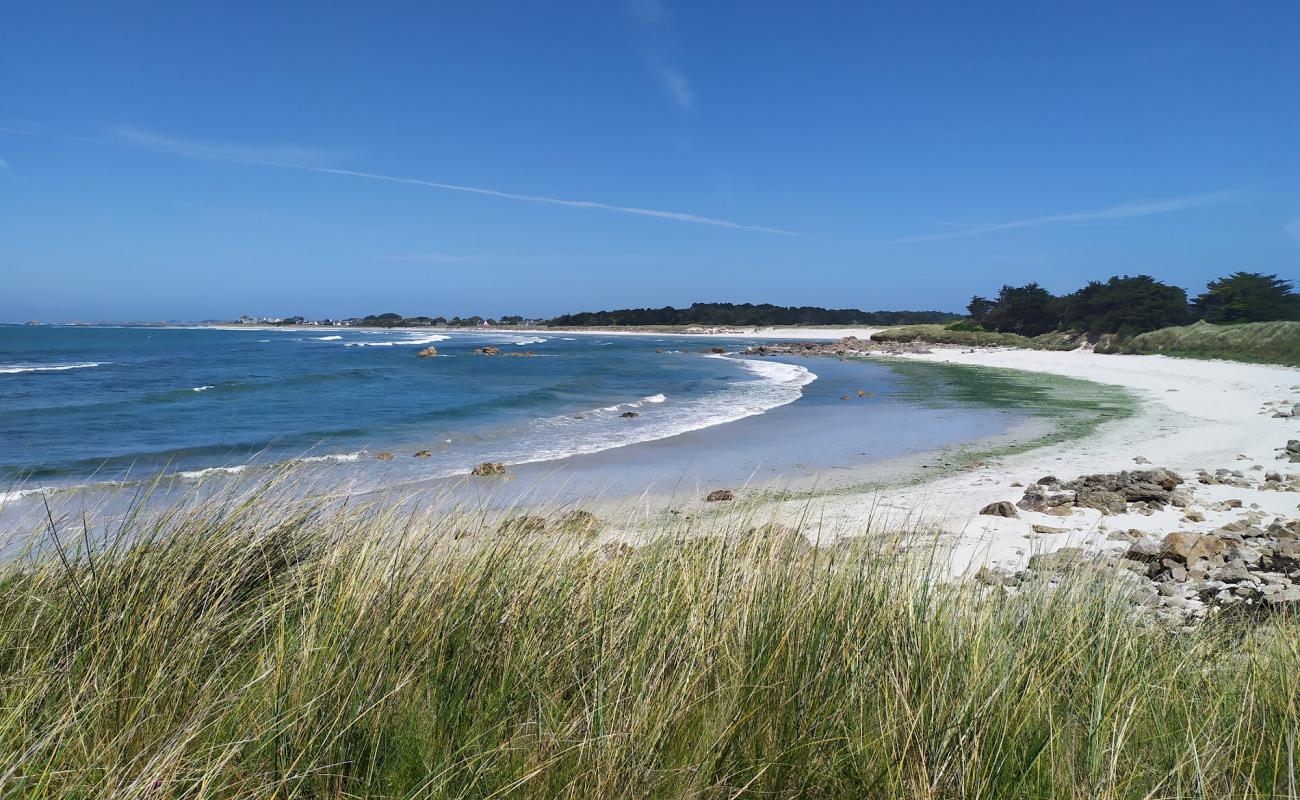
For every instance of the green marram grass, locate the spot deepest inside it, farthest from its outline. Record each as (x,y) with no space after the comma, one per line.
(261,645)
(1262,342)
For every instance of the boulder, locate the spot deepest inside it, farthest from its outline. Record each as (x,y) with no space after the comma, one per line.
(718,495)
(1057,560)
(1048,529)
(423,454)
(385,456)
(1001,508)
(489,468)
(490,350)
(629,414)
(579,521)
(1107,502)
(428,352)
(1190,547)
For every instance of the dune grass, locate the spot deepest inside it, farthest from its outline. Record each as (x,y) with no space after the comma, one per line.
(1260,342)
(260,645)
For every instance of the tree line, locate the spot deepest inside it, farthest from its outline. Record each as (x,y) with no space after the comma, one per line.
(748,314)
(1128,305)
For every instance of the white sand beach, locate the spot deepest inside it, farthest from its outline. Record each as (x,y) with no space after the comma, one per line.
(1193,415)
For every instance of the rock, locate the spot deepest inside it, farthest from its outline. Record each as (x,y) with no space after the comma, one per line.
(1190,547)
(385,456)
(718,495)
(580,521)
(1001,508)
(1146,549)
(862,393)
(717,350)
(489,468)
(1141,460)
(845,397)
(524,525)
(1106,502)
(629,414)
(1192,515)
(1232,572)
(1048,480)
(1048,529)
(995,576)
(1057,560)
(423,454)
(428,352)
(490,350)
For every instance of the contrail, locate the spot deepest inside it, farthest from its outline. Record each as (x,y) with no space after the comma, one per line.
(274,157)
(1126,211)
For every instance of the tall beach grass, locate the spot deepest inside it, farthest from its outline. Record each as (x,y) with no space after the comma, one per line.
(259,644)
(1261,342)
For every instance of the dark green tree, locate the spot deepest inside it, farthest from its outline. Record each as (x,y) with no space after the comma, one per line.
(1028,310)
(1127,306)
(1248,297)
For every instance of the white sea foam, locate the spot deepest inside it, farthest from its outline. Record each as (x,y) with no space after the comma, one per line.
(412,340)
(333,458)
(19,494)
(14,369)
(530,340)
(775,384)
(203,473)
(200,388)
(327,338)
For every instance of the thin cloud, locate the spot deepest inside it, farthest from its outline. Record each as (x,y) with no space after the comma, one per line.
(676,84)
(509,260)
(261,157)
(1125,211)
(652,17)
(226,152)
(4,164)
(1294,229)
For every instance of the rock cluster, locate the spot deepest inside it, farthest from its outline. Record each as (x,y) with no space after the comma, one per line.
(490,350)
(849,345)
(489,468)
(1107,492)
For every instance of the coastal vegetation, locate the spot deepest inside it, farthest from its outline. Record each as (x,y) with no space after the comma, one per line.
(1127,306)
(1262,342)
(748,314)
(265,644)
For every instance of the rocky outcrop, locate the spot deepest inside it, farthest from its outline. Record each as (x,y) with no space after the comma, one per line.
(490,350)
(428,352)
(848,346)
(629,415)
(489,468)
(1109,493)
(719,495)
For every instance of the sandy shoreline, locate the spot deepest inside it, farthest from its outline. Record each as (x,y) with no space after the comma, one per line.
(1193,415)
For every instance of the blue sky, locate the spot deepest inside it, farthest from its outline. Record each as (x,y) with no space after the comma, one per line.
(203,160)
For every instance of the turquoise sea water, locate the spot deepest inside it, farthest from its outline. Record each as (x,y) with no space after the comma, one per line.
(101,404)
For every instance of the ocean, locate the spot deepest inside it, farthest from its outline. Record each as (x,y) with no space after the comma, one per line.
(104,405)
